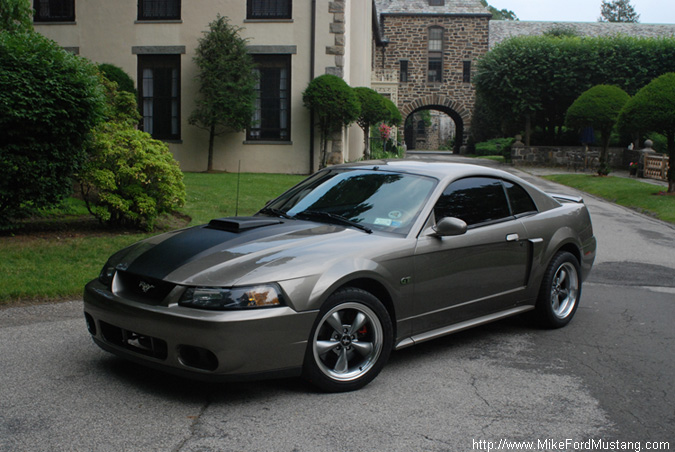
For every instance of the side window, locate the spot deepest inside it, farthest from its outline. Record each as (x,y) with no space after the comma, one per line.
(475,200)
(520,200)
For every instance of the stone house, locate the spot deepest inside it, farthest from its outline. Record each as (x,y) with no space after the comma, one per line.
(427,57)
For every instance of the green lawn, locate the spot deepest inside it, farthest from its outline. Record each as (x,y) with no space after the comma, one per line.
(37,267)
(631,193)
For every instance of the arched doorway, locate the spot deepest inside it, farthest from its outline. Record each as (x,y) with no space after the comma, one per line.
(415,124)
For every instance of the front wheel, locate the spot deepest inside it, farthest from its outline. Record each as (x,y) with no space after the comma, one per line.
(560,291)
(350,342)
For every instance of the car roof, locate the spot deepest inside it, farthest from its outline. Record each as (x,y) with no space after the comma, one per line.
(447,172)
(438,170)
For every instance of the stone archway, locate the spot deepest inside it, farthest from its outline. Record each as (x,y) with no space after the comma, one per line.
(459,114)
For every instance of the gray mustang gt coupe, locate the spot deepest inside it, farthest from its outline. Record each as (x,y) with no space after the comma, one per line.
(352,263)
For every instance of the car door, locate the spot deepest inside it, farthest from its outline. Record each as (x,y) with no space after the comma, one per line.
(479,272)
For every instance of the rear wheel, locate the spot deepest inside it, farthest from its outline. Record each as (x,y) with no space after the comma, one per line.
(560,291)
(350,342)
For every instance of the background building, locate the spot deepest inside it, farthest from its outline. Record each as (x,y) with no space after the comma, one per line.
(420,53)
(292,41)
(427,57)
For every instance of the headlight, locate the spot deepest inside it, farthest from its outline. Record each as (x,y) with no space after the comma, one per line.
(107,274)
(220,299)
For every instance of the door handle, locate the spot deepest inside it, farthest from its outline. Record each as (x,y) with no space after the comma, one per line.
(512,238)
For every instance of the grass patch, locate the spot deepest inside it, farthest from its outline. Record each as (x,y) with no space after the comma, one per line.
(640,196)
(39,266)
(495,158)
(215,195)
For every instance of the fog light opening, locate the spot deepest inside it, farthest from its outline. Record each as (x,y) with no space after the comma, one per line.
(91,325)
(197,357)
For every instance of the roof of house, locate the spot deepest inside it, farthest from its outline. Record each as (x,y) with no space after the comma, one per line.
(501,30)
(422,7)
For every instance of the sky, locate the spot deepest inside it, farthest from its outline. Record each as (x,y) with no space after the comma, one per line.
(650,11)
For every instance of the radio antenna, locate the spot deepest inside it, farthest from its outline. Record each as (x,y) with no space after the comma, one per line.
(236,207)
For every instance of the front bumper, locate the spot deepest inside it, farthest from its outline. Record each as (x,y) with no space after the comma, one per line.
(212,345)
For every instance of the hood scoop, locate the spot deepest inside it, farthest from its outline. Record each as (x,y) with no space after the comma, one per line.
(241,224)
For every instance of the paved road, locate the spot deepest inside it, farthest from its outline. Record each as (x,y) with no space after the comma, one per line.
(607,376)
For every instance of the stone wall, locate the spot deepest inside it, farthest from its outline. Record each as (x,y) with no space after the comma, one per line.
(576,157)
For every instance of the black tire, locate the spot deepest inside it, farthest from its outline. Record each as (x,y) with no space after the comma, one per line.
(560,291)
(350,342)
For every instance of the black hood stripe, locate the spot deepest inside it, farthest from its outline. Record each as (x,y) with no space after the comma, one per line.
(186,246)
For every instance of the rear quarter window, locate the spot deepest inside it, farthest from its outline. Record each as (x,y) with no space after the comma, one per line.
(520,201)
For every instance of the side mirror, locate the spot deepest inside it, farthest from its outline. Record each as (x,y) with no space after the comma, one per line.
(449,226)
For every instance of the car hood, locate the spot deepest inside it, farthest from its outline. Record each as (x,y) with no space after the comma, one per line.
(259,250)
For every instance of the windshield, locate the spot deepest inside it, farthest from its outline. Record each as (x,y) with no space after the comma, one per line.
(377,200)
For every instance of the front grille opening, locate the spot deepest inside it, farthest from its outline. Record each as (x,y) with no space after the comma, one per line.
(197,357)
(141,288)
(91,325)
(136,342)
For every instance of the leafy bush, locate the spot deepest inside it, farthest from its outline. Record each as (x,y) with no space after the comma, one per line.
(50,101)
(660,143)
(373,111)
(599,108)
(16,15)
(117,75)
(130,179)
(496,146)
(652,109)
(378,151)
(334,104)
(395,117)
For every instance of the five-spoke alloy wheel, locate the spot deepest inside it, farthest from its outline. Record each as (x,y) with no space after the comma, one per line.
(560,291)
(350,342)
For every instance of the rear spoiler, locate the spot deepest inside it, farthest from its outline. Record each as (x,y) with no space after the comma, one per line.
(566,198)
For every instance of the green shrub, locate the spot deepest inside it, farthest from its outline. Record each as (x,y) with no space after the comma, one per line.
(660,143)
(132,179)
(496,146)
(334,104)
(117,75)
(50,100)
(16,15)
(129,179)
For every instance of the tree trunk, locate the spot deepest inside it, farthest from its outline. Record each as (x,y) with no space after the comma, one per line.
(212,135)
(528,129)
(366,142)
(670,139)
(324,151)
(604,154)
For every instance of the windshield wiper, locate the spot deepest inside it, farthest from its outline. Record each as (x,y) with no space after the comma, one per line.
(335,218)
(275,212)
